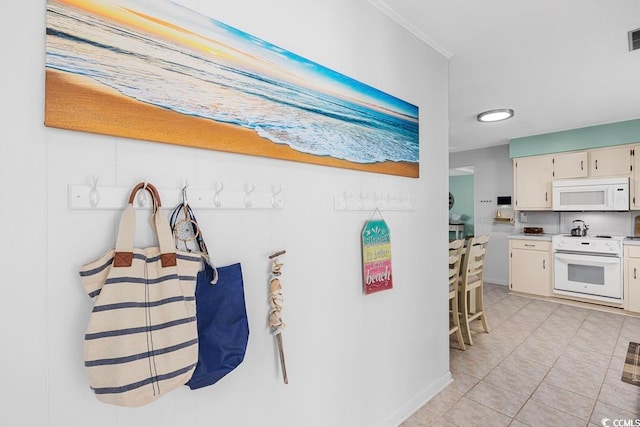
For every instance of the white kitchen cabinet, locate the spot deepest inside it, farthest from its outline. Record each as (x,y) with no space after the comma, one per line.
(530,268)
(532,177)
(634,186)
(571,165)
(632,278)
(610,161)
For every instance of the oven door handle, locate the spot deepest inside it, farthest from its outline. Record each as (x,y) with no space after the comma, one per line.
(582,258)
(582,254)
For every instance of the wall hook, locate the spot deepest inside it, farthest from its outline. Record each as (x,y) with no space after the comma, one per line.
(362,200)
(412,202)
(216,197)
(142,194)
(378,201)
(184,192)
(390,204)
(94,195)
(274,201)
(344,203)
(248,203)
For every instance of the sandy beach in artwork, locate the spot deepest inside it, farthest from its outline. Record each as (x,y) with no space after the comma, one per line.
(80,103)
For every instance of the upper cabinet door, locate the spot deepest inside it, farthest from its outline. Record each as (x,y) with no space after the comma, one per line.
(635,179)
(612,161)
(571,165)
(532,178)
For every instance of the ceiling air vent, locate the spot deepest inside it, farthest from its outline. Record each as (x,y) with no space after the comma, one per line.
(634,39)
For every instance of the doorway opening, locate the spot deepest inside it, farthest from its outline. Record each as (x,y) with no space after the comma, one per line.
(461,202)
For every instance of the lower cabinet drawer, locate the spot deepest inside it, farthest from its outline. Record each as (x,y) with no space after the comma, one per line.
(633,251)
(534,245)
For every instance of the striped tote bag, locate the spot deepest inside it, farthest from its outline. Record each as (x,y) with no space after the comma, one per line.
(141,341)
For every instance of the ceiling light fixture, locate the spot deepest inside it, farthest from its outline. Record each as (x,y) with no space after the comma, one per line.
(495,115)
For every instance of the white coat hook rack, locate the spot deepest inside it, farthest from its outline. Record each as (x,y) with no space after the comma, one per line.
(368,201)
(221,197)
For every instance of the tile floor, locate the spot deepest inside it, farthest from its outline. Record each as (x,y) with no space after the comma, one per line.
(543,364)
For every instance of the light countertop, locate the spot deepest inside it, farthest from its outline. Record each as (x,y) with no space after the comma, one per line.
(631,241)
(547,237)
(543,236)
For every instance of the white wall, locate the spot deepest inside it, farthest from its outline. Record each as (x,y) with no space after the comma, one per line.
(493,177)
(353,360)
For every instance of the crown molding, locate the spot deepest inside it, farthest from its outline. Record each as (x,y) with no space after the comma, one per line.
(391,13)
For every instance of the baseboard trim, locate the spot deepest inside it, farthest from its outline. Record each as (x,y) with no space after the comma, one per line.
(417,402)
(496,281)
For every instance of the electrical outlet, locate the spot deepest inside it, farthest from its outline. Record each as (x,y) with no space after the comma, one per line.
(523,216)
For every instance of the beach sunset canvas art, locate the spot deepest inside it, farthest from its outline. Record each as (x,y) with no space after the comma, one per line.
(157,71)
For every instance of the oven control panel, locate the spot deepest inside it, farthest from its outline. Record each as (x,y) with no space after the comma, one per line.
(602,245)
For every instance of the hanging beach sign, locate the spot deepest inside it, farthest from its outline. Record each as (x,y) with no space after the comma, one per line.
(376,256)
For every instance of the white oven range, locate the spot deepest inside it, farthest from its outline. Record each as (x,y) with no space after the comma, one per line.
(588,266)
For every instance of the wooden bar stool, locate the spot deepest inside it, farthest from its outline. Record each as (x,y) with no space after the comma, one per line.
(471,285)
(455,260)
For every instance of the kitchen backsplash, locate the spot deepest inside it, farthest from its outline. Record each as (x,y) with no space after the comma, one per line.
(561,222)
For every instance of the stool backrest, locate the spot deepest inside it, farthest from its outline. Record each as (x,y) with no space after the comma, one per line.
(456,248)
(474,259)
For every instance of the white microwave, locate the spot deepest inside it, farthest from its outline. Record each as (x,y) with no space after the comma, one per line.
(597,194)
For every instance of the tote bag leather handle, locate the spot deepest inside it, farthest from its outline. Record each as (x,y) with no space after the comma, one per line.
(155,196)
(123,256)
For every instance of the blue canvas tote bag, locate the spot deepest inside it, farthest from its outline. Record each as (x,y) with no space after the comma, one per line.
(223,327)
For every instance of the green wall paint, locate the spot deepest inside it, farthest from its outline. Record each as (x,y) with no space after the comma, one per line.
(577,139)
(462,189)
